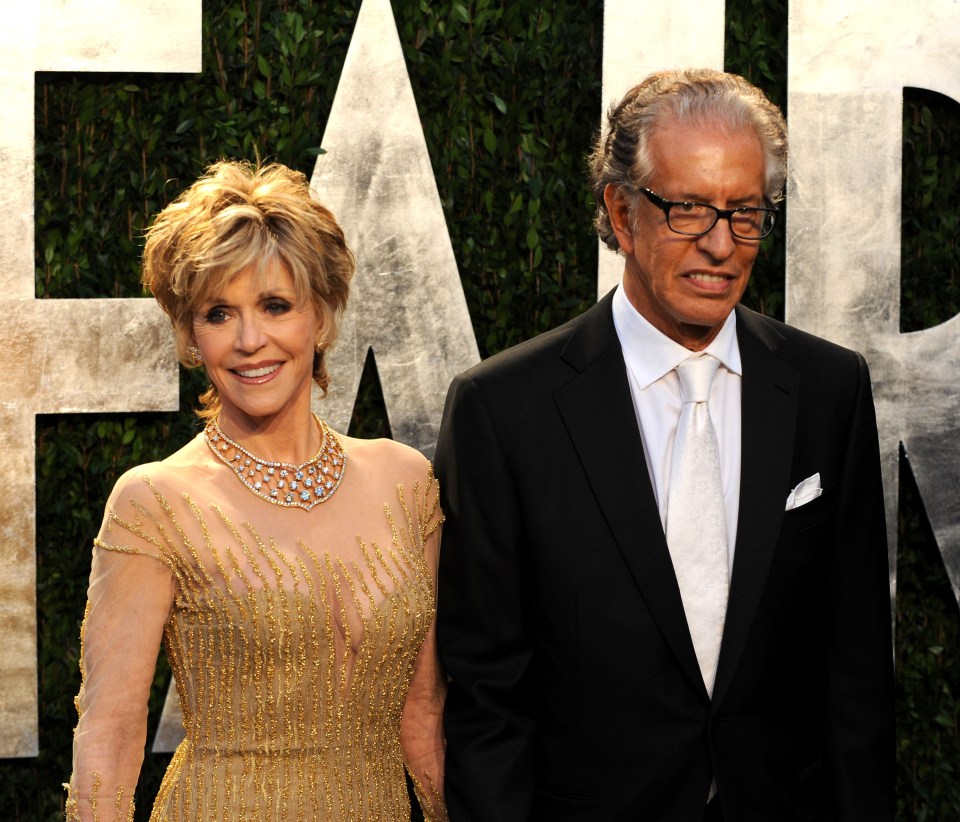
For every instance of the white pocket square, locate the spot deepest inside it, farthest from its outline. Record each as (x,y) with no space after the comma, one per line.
(806,491)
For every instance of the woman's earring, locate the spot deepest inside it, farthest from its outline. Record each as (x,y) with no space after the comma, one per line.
(195,355)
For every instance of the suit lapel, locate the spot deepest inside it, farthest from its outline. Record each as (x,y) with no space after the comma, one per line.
(768,421)
(597,409)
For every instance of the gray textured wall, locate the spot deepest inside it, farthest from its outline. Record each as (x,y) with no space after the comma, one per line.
(848,65)
(78,351)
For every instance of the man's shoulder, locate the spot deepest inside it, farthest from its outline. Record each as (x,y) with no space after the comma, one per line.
(793,344)
(554,352)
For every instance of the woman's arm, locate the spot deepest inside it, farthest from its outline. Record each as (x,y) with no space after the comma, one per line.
(421,724)
(128,602)
(421,731)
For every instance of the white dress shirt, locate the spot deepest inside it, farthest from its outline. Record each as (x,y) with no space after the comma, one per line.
(651,358)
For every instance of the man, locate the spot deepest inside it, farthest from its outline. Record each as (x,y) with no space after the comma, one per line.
(660,601)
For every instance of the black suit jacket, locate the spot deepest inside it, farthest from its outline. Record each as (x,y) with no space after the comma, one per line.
(575,692)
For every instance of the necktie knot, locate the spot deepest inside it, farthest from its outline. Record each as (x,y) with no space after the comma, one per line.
(696,377)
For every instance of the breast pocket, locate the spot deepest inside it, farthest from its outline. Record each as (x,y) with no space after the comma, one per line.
(809,515)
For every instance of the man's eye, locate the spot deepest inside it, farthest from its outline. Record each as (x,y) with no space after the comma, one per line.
(689,208)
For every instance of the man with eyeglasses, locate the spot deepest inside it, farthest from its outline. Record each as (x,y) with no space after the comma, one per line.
(663,587)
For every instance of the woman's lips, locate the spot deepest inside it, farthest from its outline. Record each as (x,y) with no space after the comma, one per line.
(258,373)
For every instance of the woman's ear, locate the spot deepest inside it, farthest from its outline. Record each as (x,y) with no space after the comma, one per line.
(193,352)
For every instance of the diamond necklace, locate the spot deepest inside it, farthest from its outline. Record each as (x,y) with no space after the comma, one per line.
(300,486)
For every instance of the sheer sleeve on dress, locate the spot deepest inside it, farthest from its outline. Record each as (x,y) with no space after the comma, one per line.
(129,599)
(421,733)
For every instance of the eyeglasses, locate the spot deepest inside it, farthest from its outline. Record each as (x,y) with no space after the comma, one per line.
(696,219)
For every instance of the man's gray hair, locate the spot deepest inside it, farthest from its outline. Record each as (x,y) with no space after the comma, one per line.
(621,153)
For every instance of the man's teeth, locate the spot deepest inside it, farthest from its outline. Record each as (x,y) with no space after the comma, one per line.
(259,372)
(708,278)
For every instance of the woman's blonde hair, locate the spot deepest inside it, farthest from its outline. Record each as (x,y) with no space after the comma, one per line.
(240,216)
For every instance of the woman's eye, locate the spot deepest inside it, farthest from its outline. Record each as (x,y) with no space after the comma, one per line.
(277,307)
(216,315)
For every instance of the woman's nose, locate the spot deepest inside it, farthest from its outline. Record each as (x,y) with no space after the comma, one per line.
(250,336)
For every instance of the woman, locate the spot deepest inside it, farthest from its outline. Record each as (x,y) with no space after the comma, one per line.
(288,570)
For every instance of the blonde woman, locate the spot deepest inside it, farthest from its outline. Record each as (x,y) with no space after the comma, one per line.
(288,570)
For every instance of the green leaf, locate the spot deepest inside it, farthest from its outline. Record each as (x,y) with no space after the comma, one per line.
(264,66)
(489,140)
(533,238)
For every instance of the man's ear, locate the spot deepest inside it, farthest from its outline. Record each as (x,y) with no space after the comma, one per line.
(618,207)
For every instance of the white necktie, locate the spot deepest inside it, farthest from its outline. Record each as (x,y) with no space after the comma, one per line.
(696,519)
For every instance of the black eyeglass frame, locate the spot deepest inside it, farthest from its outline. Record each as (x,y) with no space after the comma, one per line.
(721,214)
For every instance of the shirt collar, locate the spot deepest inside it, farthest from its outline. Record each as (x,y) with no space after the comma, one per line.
(650,354)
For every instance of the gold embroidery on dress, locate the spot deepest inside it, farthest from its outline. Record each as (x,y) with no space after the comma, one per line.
(292,664)
(72,807)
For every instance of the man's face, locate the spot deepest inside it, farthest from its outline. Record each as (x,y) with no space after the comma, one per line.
(686,286)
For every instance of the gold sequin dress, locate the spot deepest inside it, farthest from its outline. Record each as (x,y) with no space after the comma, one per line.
(301,643)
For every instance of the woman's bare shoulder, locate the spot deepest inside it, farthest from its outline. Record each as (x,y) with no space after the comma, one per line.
(387,456)
(145,480)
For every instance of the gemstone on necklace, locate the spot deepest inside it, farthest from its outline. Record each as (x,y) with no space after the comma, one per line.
(281,483)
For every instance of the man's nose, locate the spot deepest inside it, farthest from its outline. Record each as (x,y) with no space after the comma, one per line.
(719,241)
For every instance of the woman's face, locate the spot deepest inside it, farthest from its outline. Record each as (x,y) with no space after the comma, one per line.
(257,340)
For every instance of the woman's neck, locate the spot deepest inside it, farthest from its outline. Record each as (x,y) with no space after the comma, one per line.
(286,438)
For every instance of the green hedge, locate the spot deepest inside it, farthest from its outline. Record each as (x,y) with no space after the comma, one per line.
(509,96)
